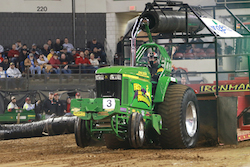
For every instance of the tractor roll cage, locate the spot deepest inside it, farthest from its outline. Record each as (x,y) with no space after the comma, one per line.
(163,5)
(163,56)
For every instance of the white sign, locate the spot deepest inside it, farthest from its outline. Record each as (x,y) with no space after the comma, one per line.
(21,117)
(108,104)
(219,28)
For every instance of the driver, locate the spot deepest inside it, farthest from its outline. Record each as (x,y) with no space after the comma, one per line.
(12,105)
(155,69)
(28,106)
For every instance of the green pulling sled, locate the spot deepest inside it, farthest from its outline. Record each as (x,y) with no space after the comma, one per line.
(18,116)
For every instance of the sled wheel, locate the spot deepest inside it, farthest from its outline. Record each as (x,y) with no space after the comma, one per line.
(112,142)
(136,130)
(179,112)
(81,135)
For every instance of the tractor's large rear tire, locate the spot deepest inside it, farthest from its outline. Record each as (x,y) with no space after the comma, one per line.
(179,112)
(136,130)
(112,142)
(81,135)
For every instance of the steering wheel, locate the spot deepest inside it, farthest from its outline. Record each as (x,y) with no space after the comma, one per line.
(142,64)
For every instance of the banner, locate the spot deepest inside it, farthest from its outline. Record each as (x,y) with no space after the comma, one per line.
(219,28)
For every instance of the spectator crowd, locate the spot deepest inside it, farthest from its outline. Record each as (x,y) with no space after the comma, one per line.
(58,57)
(53,106)
(195,50)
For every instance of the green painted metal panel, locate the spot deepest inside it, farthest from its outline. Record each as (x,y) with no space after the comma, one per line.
(157,123)
(161,88)
(125,91)
(95,109)
(12,116)
(139,93)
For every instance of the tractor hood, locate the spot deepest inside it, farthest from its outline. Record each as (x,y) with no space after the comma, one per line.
(141,72)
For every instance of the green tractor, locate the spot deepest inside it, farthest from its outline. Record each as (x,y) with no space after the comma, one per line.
(125,110)
(131,110)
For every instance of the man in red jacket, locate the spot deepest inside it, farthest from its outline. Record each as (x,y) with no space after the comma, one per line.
(84,63)
(55,62)
(13,54)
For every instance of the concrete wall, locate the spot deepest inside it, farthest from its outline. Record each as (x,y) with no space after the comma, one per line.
(123,6)
(53,6)
(90,6)
(116,24)
(31,6)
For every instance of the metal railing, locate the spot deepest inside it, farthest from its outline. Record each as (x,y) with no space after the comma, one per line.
(79,77)
(231,1)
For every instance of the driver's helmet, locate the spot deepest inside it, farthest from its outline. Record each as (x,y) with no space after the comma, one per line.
(152,55)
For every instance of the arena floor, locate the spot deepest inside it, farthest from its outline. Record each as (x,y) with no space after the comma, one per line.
(62,151)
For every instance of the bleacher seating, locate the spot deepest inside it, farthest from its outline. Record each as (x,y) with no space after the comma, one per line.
(189,56)
(178,56)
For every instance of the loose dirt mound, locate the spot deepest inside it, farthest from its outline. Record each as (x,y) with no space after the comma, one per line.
(62,151)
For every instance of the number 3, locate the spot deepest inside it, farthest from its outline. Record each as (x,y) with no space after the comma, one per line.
(109,103)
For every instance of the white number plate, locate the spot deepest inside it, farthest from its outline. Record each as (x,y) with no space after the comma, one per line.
(21,117)
(108,104)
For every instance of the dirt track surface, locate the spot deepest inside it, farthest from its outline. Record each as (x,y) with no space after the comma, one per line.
(62,151)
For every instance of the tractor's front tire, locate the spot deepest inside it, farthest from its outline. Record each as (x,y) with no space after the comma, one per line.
(136,130)
(81,135)
(180,120)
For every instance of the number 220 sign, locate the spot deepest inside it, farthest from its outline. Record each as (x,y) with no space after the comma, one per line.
(108,104)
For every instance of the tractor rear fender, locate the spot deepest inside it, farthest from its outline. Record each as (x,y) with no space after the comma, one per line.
(161,88)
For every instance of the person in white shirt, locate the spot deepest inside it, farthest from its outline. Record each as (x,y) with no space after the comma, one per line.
(2,78)
(94,61)
(1,49)
(14,81)
(28,106)
(42,59)
(13,72)
(68,45)
(12,105)
(43,63)
(2,73)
